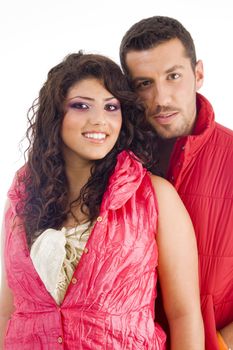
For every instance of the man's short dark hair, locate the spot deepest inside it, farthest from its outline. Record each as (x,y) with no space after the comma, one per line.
(150,32)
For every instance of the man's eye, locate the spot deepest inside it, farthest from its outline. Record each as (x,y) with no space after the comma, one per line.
(142,84)
(79,105)
(174,76)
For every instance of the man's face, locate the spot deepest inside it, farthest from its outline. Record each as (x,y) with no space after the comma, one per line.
(163,77)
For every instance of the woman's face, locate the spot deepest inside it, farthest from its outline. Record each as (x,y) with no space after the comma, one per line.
(92,122)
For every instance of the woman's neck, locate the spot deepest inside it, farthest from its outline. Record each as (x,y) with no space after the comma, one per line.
(77,179)
(77,176)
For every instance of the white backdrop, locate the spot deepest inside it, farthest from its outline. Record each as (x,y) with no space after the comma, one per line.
(35,35)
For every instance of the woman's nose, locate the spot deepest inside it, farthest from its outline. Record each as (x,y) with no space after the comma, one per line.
(98,117)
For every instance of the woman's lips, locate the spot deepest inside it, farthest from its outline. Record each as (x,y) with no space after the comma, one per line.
(96,137)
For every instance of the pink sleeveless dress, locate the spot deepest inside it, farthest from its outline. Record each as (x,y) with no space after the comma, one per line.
(109,303)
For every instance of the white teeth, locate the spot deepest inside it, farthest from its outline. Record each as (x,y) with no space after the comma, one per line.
(96,136)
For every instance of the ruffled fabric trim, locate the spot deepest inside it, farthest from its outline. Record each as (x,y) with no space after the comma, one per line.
(124,182)
(55,255)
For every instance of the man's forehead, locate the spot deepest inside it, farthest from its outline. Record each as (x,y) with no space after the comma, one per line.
(164,48)
(165,57)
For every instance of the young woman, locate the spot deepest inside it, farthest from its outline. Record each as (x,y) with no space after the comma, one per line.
(87,227)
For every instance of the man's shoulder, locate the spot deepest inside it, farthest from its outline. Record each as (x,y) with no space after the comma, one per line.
(224,131)
(222,137)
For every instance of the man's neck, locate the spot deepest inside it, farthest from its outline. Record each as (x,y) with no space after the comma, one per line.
(165,147)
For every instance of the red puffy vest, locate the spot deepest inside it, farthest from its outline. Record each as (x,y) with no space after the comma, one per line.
(201,169)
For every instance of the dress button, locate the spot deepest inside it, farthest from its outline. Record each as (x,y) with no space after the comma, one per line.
(74,280)
(60,340)
(182,148)
(85,250)
(99,219)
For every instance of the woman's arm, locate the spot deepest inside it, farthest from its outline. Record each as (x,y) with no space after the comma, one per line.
(178,269)
(227,335)
(6,298)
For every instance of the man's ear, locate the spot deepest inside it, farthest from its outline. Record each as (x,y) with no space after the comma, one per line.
(199,74)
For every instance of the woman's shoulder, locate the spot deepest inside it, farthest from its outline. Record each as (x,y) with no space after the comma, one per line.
(17,188)
(169,202)
(160,183)
(165,191)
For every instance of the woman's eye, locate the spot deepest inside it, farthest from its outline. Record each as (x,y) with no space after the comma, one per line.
(79,105)
(111,107)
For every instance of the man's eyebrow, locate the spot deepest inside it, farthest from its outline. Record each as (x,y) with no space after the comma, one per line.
(140,78)
(169,70)
(174,68)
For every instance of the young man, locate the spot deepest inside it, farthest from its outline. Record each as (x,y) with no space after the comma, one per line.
(196,155)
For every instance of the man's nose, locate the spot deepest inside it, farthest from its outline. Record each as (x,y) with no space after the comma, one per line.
(161,95)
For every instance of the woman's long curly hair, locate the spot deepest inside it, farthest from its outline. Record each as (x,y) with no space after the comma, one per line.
(45,202)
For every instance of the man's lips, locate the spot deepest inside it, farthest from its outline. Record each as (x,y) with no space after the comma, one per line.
(165,118)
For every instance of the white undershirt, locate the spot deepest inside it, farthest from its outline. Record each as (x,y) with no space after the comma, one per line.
(55,255)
